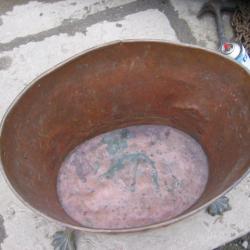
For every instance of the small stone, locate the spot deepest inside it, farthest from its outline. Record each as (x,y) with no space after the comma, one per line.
(245,244)
(118,25)
(41,14)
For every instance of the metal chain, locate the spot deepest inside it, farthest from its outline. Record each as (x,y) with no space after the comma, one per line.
(241,23)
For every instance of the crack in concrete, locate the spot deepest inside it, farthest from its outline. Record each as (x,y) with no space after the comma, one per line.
(71,26)
(3,234)
(182,29)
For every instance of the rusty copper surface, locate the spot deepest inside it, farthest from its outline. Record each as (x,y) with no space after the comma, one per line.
(122,84)
(132,177)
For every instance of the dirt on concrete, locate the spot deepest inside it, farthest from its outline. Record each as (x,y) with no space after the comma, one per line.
(3,234)
(242,243)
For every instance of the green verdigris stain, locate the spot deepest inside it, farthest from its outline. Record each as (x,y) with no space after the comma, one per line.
(176,185)
(135,159)
(116,141)
(96,167)
(125,134)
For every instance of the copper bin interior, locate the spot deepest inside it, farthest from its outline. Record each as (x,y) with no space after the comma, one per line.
(121,84)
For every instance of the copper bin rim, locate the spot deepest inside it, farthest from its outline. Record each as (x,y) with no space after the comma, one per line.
(213,58)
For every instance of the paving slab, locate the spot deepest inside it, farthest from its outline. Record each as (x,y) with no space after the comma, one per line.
(36,35)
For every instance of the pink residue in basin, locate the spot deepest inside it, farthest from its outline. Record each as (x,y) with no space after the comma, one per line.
(132,177)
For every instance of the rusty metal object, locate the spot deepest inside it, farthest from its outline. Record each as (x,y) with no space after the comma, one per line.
(123,84)
(216,7)
(241,23)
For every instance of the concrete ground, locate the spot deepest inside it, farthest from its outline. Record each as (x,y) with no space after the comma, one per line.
(36,35)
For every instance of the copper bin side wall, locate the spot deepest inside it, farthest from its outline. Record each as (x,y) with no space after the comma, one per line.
(122,84)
